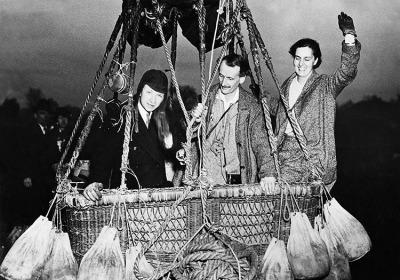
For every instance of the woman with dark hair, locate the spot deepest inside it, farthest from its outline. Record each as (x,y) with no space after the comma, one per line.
(312,99)
(147,149)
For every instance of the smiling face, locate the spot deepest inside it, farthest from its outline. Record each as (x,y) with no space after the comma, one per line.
(304,62)
(229,78)
(150,99)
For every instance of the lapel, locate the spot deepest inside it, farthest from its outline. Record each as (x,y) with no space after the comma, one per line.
(210,103)
(308,87)
(144,138)
(243,113)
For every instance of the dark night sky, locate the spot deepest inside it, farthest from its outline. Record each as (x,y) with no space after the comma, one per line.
(57,45)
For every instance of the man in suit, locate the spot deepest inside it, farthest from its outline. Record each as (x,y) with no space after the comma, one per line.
(37,155)
(236,150)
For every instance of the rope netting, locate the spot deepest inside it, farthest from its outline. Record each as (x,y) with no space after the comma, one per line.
(214,259)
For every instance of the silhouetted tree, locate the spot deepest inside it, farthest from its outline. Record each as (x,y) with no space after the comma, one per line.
(33,96)
(9,110)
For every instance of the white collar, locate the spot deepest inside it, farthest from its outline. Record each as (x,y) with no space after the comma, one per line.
(222,97)
(143,113)
(42,128)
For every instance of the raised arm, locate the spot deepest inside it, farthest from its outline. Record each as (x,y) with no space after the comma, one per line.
(347,71)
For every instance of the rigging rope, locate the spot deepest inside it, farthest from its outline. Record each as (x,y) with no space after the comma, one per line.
(134,21)
(88,125)
(219,12)
(109,46)
(171,67)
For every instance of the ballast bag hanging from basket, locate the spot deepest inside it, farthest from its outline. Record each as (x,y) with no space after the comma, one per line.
(347,229)
(275,262)
(340,268)
(145,268)
(104,259)
(307,253)
(27,256)
(61,264)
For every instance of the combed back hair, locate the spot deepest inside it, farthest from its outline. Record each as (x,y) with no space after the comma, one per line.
(312,44)
(233,60)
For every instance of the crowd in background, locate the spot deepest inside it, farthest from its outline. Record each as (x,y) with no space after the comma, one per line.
(368,138)
(33,140)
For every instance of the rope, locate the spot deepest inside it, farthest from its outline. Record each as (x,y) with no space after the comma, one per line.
(201,16)
(161,229)
(86,130)
(216,260)
(84,134)
(171,67)
(174,39)
(254,51)
(220,11)
(227,35)
(243,49)
(109,46)
(128,118)
(290,113)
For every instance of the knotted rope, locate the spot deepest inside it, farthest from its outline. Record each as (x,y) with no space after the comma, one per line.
(62,186)
(109,47)
(134,21)
(170,64)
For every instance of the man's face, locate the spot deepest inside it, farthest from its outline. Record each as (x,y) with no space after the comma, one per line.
(62,121)
(304,61)
(42,117)
(229,78)
(151,99)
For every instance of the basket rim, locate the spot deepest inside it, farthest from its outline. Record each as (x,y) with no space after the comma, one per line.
(113,196)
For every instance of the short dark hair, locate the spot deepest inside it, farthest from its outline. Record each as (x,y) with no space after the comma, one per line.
(234,59)
(312,44)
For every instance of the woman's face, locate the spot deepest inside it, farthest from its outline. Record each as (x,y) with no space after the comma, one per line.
(150,99)
(304,61)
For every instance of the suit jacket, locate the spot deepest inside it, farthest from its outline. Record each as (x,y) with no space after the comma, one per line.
(253,146)
(37,155)
(146,158)
(315,110)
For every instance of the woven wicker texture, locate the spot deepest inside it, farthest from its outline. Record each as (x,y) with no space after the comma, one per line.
(246,216)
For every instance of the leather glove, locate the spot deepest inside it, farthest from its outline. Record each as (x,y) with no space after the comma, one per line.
(346,24)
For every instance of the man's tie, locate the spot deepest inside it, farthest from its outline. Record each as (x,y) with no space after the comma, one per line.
(147,119)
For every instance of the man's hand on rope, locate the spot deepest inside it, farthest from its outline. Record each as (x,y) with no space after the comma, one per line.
(346,24)
(269,184)
(181,156)
(92,192)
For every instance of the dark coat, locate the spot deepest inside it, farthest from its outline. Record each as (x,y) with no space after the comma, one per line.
(37,155)
(146,158)
(253,146)
(315,110)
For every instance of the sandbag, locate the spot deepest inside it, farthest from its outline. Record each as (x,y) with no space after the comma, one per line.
(275,262)
(27,256)
(347,229)
(104,259)
(61,264)
(145,268)
(340,268)
(307,253)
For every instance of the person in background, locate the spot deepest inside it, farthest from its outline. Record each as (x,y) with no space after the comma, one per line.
(236,150)
(147,147)
(312,98)
(37,156)
(61,131)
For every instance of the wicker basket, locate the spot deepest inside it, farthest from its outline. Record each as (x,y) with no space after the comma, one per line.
(245,213)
